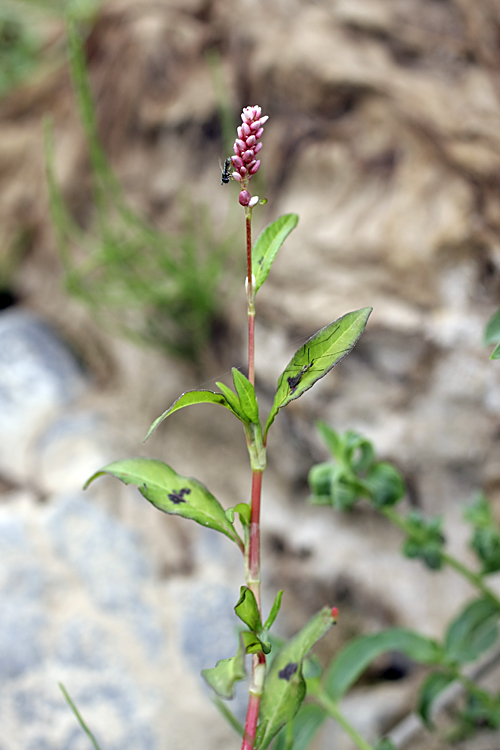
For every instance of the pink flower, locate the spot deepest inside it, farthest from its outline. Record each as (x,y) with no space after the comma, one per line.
(246,147)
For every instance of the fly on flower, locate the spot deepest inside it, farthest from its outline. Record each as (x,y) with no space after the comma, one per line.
(225,171)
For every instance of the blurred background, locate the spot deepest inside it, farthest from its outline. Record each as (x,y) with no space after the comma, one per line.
(121,286)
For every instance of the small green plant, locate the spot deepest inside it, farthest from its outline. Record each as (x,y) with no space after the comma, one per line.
(167,291)
(355,474)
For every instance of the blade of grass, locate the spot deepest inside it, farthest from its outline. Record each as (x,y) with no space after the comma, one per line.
(79,717)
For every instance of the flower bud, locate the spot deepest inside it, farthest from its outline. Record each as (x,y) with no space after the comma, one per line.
(244,198)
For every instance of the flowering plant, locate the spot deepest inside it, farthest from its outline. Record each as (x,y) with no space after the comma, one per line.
(277,690)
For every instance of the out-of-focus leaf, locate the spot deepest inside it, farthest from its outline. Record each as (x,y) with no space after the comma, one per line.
(432,687)
(474,631)
(385,484)
(354,658)
(306,723)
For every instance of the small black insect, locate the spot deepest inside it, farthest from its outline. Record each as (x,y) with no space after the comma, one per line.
(178,497)
(294,380)
(225,170)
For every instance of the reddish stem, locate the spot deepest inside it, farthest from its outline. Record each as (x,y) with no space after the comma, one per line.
(253,710)
(251,309)
(254,545)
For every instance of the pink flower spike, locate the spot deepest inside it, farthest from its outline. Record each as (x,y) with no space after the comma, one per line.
(236,176)
(257,148)
(254,201)
(244,198)
(255,167)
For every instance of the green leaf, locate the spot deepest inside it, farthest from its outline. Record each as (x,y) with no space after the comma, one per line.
(246,393)
(306,723)
(492,330)
(432,687)
(385,744)
(188,399)
(425,539)
(385,484)
(317,357)
(79,717)
(228,715)
(474,631)
(253,644)
(226,673)
(244,511)
(171,493)
(274,611)
(331,438)
(486,539)
(232,400)
(285,688)
(267,245)
(495,354)
(320,479)
(354,658)
(247,609)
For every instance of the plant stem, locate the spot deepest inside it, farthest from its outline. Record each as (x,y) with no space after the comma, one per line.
(251,300)
(474,578)
(256,689)
(333,710)
(254,542)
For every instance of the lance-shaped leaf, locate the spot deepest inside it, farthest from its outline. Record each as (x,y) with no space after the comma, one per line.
(226,673)
(305,725)
(316,358)
(472,632)
(267,245)
(171,493)
(247,610)
(274,611)
(246,394)
(353,659)
(188,399)
(433,686)
(285,687)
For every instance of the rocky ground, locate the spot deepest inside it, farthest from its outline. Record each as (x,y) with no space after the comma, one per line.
(384,137)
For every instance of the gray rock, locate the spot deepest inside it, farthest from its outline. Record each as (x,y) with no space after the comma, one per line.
(38,376)
(79,607)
